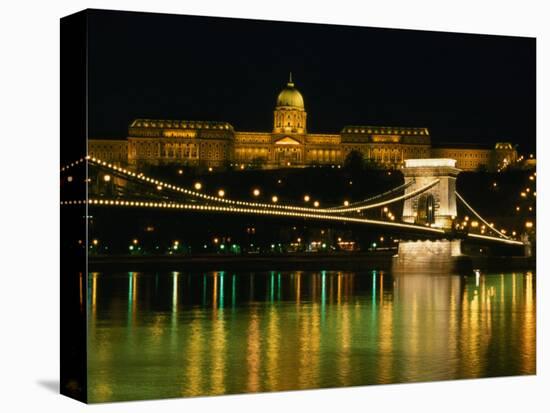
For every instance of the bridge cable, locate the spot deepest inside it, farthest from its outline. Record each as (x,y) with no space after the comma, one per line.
(479,216)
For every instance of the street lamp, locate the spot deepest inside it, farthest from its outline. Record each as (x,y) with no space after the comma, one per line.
(198,186)
(256,192)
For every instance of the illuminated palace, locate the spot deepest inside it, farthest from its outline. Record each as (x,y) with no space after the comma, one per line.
(209,143)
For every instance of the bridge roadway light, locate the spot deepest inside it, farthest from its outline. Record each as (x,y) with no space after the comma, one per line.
(221,193)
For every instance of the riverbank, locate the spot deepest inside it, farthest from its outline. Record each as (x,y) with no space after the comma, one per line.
(380,261)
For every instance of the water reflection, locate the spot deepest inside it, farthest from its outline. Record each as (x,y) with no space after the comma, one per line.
(179,334)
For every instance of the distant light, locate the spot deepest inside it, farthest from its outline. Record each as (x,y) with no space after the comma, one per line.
(180,171)
(210,169)
(216,240)
(256,192)
(299,240)
(131,247)
(159,187)
(95,242)
(346,203)
(221,193)
(106,178)
(135,241)
(528,224)
(374,245)
(242,166)
(385,209)
(274,198)
(69,179)
(324,245)
(316,204)
(198,186)
(306,198)
(222,246)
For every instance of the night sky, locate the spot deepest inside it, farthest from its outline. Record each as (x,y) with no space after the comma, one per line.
(464,88)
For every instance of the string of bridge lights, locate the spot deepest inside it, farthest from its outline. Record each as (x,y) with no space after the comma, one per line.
(354,204)
(161,184)
(212,208)
(255,211)
(73,164)
(488,225)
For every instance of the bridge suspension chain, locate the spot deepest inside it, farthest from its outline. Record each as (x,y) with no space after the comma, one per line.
(479,216)
(365,201)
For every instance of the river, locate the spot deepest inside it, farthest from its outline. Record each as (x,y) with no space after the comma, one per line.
(176,334)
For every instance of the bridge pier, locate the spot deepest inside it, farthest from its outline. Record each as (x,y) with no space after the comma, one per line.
(431,256)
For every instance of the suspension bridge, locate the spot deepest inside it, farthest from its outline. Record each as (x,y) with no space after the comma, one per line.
(428,195)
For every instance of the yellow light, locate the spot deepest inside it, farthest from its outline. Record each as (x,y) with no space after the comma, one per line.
(135,241)
(523,194)
(221,193)
(474,224)
(385,209)
(256,192)
(381,239)
(517,208)
(95,242)
(159,187)
(180,171)
(299,240)
(306,198)
(528,189)
(107,178)
(274,198)
(242,166)
(216,240)
(346,203)
(210,169)
(528,224)
(198,186)
(316,204)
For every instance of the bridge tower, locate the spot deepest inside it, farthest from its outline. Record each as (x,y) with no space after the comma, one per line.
(437,205)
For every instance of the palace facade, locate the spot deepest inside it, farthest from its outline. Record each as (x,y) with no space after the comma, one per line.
(210,143)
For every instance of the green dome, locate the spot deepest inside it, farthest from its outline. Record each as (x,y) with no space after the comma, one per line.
(290,96)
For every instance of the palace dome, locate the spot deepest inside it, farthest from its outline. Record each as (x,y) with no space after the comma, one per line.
(290,96)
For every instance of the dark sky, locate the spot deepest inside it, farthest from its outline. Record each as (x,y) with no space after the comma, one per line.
(465,88)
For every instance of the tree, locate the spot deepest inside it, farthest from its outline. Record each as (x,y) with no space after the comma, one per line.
(354,161)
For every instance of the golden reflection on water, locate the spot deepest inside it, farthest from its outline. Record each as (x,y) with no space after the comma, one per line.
(303,330)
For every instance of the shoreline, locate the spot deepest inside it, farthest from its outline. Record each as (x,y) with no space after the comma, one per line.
(380,261)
